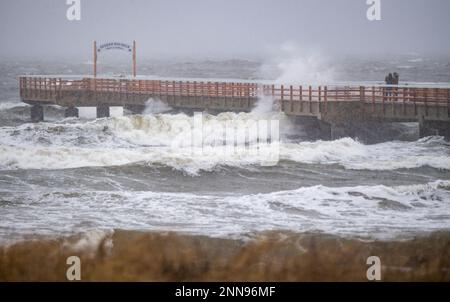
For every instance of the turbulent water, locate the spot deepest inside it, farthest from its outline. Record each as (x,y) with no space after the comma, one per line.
(71,175)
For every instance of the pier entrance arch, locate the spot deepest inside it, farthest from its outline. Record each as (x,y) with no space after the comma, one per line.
(100,48)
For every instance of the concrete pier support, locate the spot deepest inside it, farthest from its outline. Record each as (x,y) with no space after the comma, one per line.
(311,128)
(431,128)
(102,111)
(71,112)
(135,109)
(325,130)
(37,113)
(370,132)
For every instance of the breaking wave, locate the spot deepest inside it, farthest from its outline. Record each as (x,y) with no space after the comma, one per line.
(10,105)
(148,139)
(368,211)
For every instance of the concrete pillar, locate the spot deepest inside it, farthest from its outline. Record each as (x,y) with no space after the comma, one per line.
(135,109)
(325,130)
(37,113)
(102,111)
(71,112)
(432,128)
(339,130)
(365,131)
(311,128)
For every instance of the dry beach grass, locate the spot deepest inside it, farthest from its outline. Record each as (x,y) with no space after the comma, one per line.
(275,256)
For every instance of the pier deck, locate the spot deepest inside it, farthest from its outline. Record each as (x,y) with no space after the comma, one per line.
(331,104)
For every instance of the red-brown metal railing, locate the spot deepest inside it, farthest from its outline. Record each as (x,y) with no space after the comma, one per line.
(42,88)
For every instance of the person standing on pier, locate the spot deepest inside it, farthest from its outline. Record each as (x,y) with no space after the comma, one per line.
(389,79)
(395,81)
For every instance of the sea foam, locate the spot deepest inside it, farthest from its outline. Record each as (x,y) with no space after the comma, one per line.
(149,139)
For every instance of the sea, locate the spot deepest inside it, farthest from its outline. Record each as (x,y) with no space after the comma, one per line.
(68,176)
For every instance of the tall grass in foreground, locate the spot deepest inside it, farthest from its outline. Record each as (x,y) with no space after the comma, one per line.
(275,256)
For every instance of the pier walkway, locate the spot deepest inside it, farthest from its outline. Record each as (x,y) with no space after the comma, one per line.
(330,104)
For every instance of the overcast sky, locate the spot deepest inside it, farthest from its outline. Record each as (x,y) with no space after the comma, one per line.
(224,28)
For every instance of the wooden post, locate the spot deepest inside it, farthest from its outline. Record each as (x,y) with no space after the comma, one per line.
(40,88)
(319,93)
(55,88)
(134,59)
(95,59)
(403,95)
(300,88)
(310,98)
(373,99)
(291,92)
(448,102)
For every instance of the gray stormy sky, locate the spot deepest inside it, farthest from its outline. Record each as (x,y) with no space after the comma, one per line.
(224,28)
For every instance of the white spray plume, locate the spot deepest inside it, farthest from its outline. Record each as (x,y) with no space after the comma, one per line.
(292,65)
(265,104)
(153,106)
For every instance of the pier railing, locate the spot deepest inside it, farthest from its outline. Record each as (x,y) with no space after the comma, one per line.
(43,88)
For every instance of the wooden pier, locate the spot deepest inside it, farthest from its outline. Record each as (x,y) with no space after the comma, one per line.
(330,105)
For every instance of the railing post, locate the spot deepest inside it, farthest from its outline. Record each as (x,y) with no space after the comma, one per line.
(200,88)
(373,99)
(195,88)
(448,102)
(310,98)
(325,92)
(291,96)
(395,94)
(415,100)
(54,89)
(404,100)
(319,93)
(21,87)
(35,87)
(60,88)
(40,88)
(45,88)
